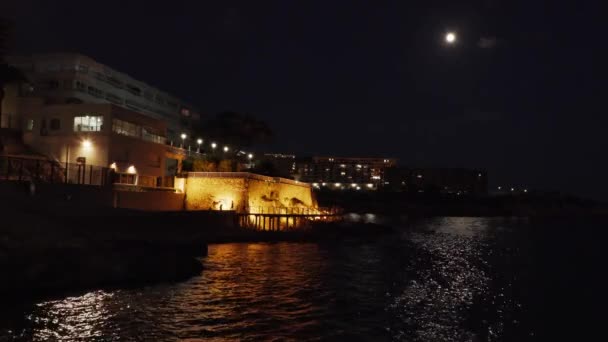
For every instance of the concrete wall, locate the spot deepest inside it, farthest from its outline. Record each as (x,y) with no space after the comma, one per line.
(149,201)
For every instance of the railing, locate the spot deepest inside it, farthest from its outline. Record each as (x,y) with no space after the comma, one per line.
(247,175)
(295,211)
(48,171)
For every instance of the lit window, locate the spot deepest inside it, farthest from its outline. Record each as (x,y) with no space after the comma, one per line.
(30,124)
(342,173)
(88,123)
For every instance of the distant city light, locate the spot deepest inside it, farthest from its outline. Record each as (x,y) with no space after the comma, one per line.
(512,189)
(213,145)
(337,184)
(323,184)
(500,188)
(184,136)
(250,156)
(354,185)
(450,37)
(358,188)
(370,185)
(226,148)
(525,190)
(419,176)
(199,141)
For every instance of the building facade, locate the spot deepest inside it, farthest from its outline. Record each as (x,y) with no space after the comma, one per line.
(64,78)
(343,172)
(75,110)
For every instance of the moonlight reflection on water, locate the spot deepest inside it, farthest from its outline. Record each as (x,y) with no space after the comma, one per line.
(436,280)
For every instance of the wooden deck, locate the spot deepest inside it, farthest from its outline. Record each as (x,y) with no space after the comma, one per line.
(280,219)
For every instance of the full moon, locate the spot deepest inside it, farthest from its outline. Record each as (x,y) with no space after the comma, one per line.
(450,37)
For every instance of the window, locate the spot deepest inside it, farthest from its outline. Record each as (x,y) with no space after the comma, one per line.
(81,86)
(55,124)
(113,98)
(88,123)
(53,84)
(95,92)
(152,137)
(126,128)
(53,67)
(82,68)
(114,81)
(133,90)
(29,125)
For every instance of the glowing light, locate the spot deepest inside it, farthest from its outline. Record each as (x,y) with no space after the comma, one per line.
(323,184)
(354,185)
(370,185)
(113,166)
(512,189)
(500,188)
(358,188)
(250,156)
(450,37)
(213,145)
(184,136)
(86,143)
(131,169)
(337,184)
(226,148)
(419,176)
(525,190)
(199,141)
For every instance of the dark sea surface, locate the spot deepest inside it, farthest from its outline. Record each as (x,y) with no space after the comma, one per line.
(440,279)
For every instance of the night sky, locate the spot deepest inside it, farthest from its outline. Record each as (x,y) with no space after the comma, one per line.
(518,95)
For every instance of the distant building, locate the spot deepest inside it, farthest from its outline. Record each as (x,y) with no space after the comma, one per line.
(75,110)
(456,181)
(343,172)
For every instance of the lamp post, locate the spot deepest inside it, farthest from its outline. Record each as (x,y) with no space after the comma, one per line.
(183,136)
(199,142)
(226,149)
(250,157)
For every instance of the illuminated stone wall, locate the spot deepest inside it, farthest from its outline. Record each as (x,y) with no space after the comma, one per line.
(244,192)
(213,193)
(264,194)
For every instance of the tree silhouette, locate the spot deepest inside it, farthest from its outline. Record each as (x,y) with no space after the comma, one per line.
(237,130)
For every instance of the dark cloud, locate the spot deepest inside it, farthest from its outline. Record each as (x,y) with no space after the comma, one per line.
(487,42)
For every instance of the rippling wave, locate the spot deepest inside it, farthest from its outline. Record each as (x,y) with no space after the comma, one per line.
(435,281)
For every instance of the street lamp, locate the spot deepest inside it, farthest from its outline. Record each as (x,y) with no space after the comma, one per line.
(183,136)
(250,156)
(199,141)
(226,148)
(213,145)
